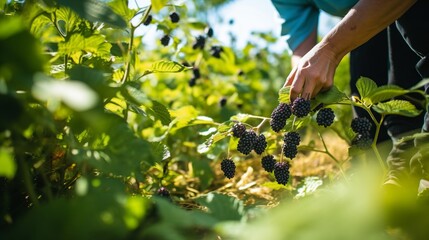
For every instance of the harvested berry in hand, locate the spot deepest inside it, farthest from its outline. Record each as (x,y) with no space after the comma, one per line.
(292,138)
(260,144)
(290,150)
(301,107)
(247,142)
(174,17)
(148,20)
(268,163)
(228,168)
(325,117)
(216,51)
(362,141)
(361,125)
(238,129)
(165,40)
(200,42)
(279,116)
(281,172)
(209,32)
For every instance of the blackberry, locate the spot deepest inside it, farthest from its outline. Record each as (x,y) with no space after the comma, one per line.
(165,40)
(361,125)
(148,20)
(222,101)
(246,142)
(325,117)
(192,82)
(209,32)
(362,141)
(163,192)
(279,116)
(268,163)
(196,72)
(281,172)
(200,42)
(260,144)
(238,130)
(216,51)
(174,17)
(228,168)
(301,107)
(292,138)
(290,150)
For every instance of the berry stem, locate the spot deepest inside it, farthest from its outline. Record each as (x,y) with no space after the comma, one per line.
(293,123)
(326,151)
(261,124)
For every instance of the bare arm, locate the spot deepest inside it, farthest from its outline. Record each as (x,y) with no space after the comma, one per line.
(314,72)
(304,47)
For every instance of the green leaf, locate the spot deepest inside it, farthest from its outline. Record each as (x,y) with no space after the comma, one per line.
(7,163)
(420,84)
(365,86)
(398,107)
(161,113)
(284,94)
(66,20)
(78,44)
(95,11)
(164,66)
(386,92)
(121,8)
(223,207)
(333,95)
(158,4)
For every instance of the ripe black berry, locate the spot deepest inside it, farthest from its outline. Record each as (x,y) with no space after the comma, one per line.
(246,142)
(268,163)
(163,192)
(165,40)
(361,125)
(222,101)
(209,32)
(216,51)
(292,138)
(301,107)
(260,144)
(174,17)
(279,116)
(325,117)
(281,172)
(200,42)
(290,150)
(238,130)
(192,82)
(362,141)
(148,20)
(196,72)
(228,168)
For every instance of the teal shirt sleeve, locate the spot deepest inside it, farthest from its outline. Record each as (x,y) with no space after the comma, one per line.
(300,19)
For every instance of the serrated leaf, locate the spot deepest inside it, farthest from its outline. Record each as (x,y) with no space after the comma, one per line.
(284,94)
(66,20)
(95,11)
(333,95)
(158,4)
(223,207)
(365,86)
(398,107)
(77,44)
(164,66)
(161,113)
(386,92)
(121,8)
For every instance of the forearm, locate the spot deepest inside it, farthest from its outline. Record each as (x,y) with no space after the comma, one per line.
(304,47)
(363,21)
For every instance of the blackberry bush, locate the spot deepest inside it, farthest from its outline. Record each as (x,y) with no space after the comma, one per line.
(268,163)
(247,142)
(281,172)
(228,168)
(292,138)
(279,116)
(238,129)
(361,125)
(260,144)
(174,17)
(301,107)
(290,150)
(325,117)
(165,40)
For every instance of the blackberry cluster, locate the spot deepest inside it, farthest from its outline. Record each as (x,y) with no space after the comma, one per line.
(292,138)
(209,32)
(200,42)
(301,107)
(362,141)
(281,172)
(279,116)
(228,168)
(247,142)
(216,51)
(290,150)
(260,144)
(163,192)
(268,162)
(174,17)
(238,129)
(148,20)
(361,125)
(165,40)
(325,117)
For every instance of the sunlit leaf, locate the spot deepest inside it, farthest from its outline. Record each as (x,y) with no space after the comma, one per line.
(365,86)
(7,163)
(397,107)
(284,94)
(161,113)
(386,92)
(333,95)
(223,207)
(158,4)
(164,66)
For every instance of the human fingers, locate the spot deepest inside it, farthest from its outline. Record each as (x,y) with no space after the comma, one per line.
(296,86)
